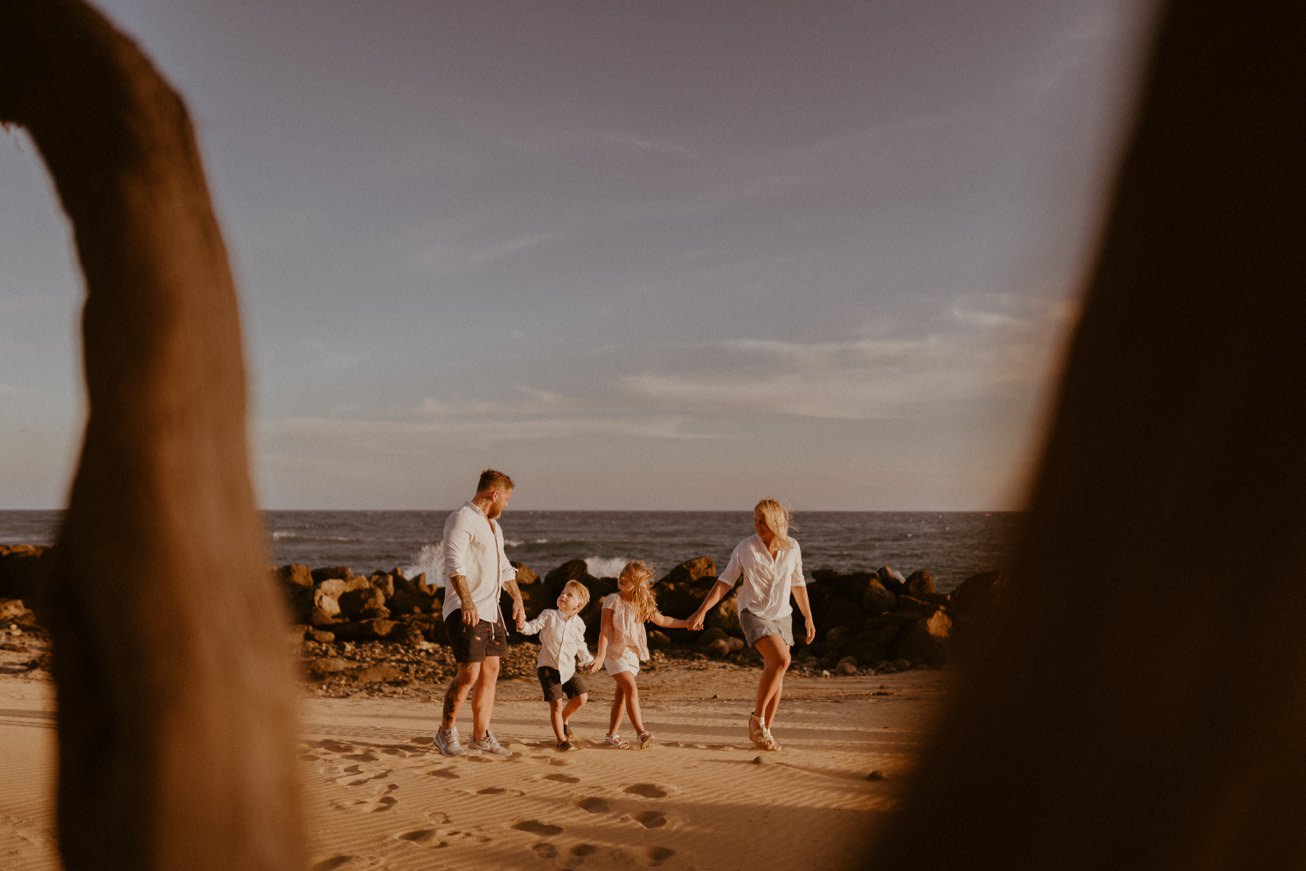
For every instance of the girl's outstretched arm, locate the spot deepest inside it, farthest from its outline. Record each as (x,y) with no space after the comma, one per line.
(666,622)
(714,595)
(605,636)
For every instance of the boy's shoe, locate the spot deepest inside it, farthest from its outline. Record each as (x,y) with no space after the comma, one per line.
(446,741)
(490,745)
(566,730)
(564,746)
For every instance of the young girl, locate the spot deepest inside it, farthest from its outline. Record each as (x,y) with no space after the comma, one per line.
(562,642)
(623,645)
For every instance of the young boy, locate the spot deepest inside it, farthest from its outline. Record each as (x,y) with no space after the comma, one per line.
(562,642)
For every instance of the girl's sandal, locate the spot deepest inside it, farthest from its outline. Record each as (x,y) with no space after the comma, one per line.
(768,741)
(645,740)
(616,741)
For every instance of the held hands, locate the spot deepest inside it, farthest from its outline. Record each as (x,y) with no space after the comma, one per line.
(519,613)
(594,666)
(694,621)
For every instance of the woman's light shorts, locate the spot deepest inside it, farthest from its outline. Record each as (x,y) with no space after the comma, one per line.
(756,627)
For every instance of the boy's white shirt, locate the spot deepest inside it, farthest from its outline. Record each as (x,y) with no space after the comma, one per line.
(562,641)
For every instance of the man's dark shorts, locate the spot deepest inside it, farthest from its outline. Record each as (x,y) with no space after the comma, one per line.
(482,640)
(555,689)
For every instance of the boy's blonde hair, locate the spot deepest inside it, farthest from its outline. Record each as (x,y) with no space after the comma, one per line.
(582,592)
(777,519)
(646,604)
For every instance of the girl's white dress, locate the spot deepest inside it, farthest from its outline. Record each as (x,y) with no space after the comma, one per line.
(629,644)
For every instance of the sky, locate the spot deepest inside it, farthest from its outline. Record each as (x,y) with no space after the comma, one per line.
(639,255)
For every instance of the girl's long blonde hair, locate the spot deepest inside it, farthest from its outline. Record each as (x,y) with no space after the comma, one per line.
(777,519)
(641,576)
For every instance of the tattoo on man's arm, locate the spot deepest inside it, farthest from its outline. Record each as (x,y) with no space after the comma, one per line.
(459,584)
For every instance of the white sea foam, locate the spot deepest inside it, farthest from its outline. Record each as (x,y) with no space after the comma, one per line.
(429,560)
(605,567)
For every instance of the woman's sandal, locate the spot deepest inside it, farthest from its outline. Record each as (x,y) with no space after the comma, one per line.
(645,740)
(756,731)
(616,741)
(768,741)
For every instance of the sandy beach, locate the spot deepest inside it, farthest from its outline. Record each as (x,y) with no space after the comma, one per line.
(378,795)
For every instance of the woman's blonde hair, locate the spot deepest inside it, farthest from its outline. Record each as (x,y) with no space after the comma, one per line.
(646,604)
(777,519)
(582,592)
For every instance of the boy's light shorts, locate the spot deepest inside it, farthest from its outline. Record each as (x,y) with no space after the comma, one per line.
(755,627)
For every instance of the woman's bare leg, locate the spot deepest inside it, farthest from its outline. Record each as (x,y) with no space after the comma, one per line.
(775,656)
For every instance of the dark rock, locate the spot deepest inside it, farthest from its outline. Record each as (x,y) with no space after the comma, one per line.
(343,573)
(920,582)
(718,648)
(363,603)
(385,583)
(974,593)
(891,579)
(321,636)
(294,575)
(877,599)
(913,605)
(525,574)
(925,639)
(24,569)
(846,666)
(691,570)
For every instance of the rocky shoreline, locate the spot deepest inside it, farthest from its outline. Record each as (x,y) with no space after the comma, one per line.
(381,633)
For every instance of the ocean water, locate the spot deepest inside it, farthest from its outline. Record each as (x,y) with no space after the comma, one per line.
(951,545)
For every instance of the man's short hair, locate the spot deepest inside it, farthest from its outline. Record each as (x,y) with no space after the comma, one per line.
(493,480)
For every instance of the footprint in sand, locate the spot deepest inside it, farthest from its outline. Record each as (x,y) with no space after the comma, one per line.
(424,837)
(651,820)
(544,850)
(594,805)
(365,756)
(343,861)
(443,772)
(332,746)
(582,850)
(535,827)
(657,855)
(562,778)
(499,790)
(648,790)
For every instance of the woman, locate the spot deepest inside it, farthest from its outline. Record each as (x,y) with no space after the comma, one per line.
(771,566)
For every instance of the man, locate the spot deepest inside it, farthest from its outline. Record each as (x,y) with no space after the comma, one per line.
(476,571)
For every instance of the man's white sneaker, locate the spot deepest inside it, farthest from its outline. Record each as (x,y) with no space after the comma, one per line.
(446,740)
(489,745)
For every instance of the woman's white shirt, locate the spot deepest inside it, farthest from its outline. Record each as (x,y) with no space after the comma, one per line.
(766,581)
